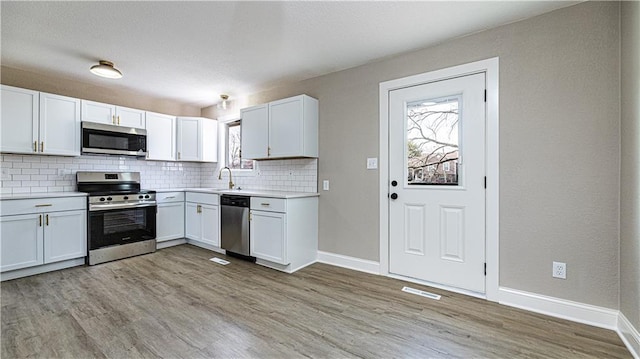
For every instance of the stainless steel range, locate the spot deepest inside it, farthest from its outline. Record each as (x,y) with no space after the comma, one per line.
(122,217)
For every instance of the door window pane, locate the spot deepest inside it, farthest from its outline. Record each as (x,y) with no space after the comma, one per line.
(433,141)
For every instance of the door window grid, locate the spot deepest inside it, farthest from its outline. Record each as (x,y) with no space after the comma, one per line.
(433,141)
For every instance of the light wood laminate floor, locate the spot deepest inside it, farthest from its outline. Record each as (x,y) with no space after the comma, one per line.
(175,303)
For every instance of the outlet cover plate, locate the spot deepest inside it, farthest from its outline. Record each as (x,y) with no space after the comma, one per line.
(559,270)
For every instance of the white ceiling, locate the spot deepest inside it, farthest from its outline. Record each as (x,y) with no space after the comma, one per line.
(194,51)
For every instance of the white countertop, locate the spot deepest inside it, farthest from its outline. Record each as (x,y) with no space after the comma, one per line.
(42,195)
(244,192)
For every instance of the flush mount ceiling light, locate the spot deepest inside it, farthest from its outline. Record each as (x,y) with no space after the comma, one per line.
(223,105)
(106,69)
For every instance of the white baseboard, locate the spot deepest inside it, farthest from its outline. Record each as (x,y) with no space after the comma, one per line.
(559,308)
(25,272)
(358,264)
(170,243)
(208,246)
(629,335)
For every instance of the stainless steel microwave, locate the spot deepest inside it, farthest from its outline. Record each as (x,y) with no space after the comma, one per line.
(99,138)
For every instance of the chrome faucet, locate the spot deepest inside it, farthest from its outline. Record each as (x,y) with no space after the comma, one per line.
(230,181)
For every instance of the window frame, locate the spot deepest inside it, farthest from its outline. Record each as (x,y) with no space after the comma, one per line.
(223,129)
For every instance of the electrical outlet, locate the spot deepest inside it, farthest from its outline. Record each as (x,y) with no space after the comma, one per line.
(325,185)
(372,163)
(560,270)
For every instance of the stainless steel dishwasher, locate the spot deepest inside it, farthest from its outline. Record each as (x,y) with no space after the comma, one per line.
(234,225)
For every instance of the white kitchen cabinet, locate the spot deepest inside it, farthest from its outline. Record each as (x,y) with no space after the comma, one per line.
(22,241)
(39,123)
(112,115)
(161,137)
(197,139)
(170,218)
(64,235)
(281,129)
(59,125)
(255,132)
(202,219)
(19,125)
(284,232)
(42,231)
(269,230)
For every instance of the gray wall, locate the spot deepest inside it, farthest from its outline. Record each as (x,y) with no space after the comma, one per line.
(559,148)
(630,163)
(110,93)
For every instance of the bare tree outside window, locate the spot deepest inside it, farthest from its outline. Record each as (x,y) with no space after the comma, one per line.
(233,149)
(432,141)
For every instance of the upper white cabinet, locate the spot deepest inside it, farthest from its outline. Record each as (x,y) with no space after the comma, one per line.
(161,137)
(255,132)
(281,129)
(39,123)
(197,139)
(112,114)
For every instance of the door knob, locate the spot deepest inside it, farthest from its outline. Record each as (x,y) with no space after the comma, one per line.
(394,183)
(394,196)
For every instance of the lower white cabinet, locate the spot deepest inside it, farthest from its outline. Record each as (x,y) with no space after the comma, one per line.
(202,218)
(269,236)
(170,217)
(284,232)
(36,232)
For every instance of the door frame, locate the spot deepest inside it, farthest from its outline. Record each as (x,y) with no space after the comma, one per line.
(491,68)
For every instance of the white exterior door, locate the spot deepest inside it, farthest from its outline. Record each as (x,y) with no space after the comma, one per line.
(437,176)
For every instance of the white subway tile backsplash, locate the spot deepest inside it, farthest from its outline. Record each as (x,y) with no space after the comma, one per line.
(36,173)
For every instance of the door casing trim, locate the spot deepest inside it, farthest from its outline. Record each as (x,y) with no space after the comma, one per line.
(491,68)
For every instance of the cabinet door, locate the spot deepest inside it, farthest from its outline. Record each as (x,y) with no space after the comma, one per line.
(170,221)
(255,132)
(65,235)
(210,218)
(209,140)
(189,145)
(98,112)
(130,117)
(286,128)
(193,219)
(161,137)
(59,125)
(21,241)
(19,125)
(268,236)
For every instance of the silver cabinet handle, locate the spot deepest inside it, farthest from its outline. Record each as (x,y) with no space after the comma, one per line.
(44,205)
(265,204)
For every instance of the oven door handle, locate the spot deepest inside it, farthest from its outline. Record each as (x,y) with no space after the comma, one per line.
(106,207)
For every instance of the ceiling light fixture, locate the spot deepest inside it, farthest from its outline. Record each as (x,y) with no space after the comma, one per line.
(223,105)
(106,69)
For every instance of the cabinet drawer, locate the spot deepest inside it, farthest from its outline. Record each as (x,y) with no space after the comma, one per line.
(167,197)
(34,205)
(269,204)
(204,198)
